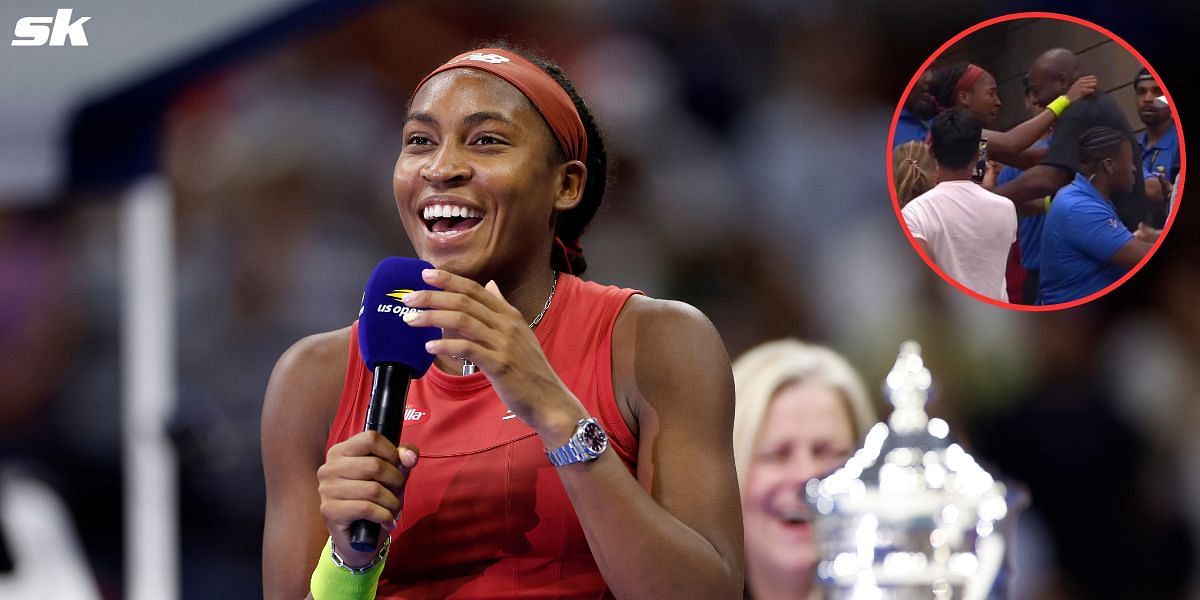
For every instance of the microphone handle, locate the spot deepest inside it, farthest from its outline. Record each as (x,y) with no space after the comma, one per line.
(385,414)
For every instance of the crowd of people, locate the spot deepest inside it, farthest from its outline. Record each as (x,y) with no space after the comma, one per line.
(1051,211)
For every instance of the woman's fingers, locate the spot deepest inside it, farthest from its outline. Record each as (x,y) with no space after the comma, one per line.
(363,468)
(486,359)
(461,324)
(366,443)
(363,478)
(409,455)
(373,492)
(447,300)
(349,511)
(459,284)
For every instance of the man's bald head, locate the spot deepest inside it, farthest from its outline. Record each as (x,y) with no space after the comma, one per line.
(1052,74)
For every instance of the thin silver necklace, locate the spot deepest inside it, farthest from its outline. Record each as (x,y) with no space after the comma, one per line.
(469,368)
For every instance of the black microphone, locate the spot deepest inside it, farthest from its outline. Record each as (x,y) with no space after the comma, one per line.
(385,414)
(395,353)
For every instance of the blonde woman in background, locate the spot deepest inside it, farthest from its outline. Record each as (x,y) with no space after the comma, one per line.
(912,170)
(801,411)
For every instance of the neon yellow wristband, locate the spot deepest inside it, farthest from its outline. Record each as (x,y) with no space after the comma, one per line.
(1059,105)
(1046,203)
(334,581)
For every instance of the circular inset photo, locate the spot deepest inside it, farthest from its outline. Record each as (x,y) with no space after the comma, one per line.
(1036,161)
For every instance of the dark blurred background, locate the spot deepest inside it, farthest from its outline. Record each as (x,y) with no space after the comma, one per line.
(749,140)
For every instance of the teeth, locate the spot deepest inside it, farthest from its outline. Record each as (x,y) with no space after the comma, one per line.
(444,211)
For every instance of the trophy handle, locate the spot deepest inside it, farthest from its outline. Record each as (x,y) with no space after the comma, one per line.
(990,553)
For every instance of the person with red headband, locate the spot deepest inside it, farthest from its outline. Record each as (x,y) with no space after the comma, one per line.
(971,87)
(501,170)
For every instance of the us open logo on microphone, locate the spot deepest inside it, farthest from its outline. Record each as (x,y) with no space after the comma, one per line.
(398,309)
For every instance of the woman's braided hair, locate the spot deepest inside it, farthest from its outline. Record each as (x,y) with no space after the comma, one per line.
(942,83)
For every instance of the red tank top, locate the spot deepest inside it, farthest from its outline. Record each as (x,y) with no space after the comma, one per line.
(485,514)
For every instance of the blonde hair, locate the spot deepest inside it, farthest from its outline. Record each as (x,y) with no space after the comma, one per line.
(912,170)
(759,374)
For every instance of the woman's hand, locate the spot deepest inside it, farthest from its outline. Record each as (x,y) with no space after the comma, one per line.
(363,478)
(482,327)
(1084,86)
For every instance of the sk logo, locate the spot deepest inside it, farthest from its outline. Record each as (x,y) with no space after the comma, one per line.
(37,31)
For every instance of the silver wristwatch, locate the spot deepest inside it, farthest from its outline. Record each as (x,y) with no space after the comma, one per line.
(587,444)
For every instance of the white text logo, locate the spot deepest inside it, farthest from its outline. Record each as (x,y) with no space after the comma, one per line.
(414,415)
(37,31)
(494,59)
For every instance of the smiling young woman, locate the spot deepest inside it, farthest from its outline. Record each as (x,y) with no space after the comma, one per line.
(517,493)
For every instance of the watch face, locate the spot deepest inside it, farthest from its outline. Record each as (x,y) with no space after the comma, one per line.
(594,439)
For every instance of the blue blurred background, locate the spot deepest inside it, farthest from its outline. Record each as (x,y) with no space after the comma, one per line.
(749,140)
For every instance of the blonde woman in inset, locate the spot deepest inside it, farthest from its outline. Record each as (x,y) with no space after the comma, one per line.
(912,170)
(801,411)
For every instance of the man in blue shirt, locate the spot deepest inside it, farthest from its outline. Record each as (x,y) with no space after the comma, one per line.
(1160,141)
(1085,247)
(915,116)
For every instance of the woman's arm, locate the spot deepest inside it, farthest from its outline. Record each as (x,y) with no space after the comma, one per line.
(675,530)
(1009,146)
(301,399)
(684,538)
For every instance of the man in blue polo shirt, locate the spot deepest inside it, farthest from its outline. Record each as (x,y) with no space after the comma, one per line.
(1085,247)
(1160,141)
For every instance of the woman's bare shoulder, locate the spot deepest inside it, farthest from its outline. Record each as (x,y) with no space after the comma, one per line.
(305,387)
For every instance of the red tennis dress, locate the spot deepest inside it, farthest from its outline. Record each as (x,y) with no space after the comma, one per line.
(485,514)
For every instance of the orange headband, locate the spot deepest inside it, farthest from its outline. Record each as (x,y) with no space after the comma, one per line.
(968,79)
(549,98)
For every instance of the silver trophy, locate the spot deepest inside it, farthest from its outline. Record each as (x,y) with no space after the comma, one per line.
(911,514)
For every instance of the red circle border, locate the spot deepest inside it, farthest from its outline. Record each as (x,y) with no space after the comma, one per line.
(1178,192)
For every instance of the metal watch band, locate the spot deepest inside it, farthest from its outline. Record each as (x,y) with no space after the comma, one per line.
(566,454)
(574,451)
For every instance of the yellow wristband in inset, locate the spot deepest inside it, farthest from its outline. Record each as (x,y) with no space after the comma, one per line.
(1059,105)
(333,581)
(1046,203)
